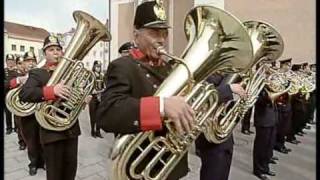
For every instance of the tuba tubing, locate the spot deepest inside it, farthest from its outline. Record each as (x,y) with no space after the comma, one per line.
(16,106)
(60,115)
(267,46)
(216,40)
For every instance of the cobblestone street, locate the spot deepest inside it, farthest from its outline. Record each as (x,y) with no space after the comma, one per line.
(94,164)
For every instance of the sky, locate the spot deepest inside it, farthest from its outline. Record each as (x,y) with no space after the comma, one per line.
(55,16)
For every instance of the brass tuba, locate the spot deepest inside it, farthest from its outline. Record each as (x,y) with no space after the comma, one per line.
(62,114)
(216,41)
(16,106)
(267,47)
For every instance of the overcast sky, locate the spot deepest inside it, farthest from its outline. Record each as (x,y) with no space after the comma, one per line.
(53,15)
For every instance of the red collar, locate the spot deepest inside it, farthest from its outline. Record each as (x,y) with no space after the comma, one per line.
(51,64)
(138,55)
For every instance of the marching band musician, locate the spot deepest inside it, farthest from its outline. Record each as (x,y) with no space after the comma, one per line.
(216,158)
(128,105)
(28,124)
(308,102)
(10,73)
(312,107)
(298,112)
(17,119)
(60,147)
(96,98)
(285,113)
(265,120)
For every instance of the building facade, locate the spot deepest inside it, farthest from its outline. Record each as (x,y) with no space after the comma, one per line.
(98,52)
(294,20)
(19,39)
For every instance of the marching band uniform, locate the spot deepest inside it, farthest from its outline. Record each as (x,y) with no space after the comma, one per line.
(60,147)
(30,132)
(128,105)
(265,119)
(298,113)
(9,75)
(96,96)
(283,104)
(130,84)
(216,158)
(17,119)
(312,105)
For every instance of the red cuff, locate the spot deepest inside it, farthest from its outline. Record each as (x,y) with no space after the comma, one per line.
(13,83)
(48,93)
(150,114)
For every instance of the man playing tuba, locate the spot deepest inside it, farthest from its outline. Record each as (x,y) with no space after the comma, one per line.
(60,147)
(127,104)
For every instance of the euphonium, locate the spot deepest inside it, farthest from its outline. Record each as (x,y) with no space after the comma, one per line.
(16,106)
(267,46)
(217,41)
(62,114)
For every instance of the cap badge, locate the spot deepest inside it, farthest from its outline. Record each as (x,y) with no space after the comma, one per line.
(159,10)
(53,39)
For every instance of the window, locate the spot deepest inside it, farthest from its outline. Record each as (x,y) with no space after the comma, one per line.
(32,49)
(21,48)
(13,47)
(94,53)
(101,54)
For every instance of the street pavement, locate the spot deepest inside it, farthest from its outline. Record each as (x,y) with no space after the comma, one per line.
(94,164)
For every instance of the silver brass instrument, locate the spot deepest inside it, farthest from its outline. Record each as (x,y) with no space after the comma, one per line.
(14,104)
(217,41)
(267,46)
(62,114)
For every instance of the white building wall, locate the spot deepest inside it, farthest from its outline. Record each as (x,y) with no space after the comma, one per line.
(217,3)
(98,52)
(37,46)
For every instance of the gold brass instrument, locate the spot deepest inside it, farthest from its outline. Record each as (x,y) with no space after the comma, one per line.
(217,41)
(267,47)
(308,82)
(296,83)
(16,106)
(62,114)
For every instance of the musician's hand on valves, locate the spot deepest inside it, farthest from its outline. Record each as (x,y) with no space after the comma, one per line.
(61,90)
(88,99)
(238,89)
(179,113)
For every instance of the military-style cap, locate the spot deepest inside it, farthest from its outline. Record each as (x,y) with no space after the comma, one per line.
(19,59)
(125,47)
(51,40)
(283,61)
(29,56)
(10,57)
(296,67)
(151,14)
(97,63)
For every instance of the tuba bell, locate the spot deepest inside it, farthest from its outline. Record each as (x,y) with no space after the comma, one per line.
(216,41)
(267,47)
(16,106)
(62,114)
